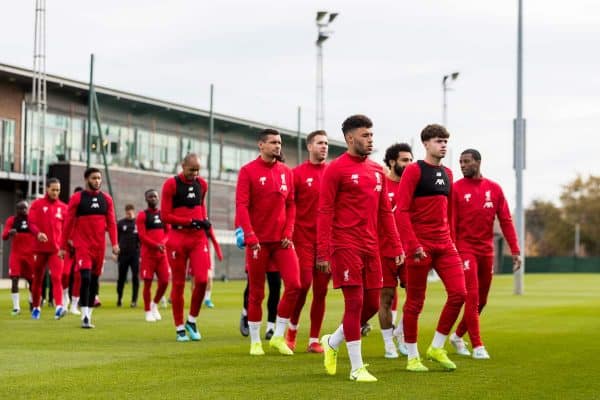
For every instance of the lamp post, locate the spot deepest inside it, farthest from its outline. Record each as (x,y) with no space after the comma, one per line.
(446,80)
(324,18)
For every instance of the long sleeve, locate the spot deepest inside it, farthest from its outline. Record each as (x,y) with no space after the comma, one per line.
(506,224)
(111,221)
(242,205)
(329,188)
(386,218)
(70,219)
(290,211)
(7,227)
(35,218)
(167,214)
(404,198)
(451,209)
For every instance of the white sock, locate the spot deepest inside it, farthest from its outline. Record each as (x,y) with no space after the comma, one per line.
(394,315)
(388,340)
(337,337)
(293,327)
(180,328)
(244,312)
(191,319)
(85,311)
(254,331)
(438,340)
(65,297)
(30,299)
(413,350)
(75,301)
(270,326)
(280,325)
(399,330)
(355,355)
(313,340)
(207,295)
(153,306)
(15,299)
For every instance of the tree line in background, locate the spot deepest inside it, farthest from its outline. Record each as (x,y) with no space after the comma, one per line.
(551,229)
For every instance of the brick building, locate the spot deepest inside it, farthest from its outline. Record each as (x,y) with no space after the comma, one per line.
(144,140)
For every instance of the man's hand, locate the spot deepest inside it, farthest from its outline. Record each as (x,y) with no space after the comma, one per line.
(116,250)
(516,262)
(399,260)
(285,243)
(255,249)
(161,247)
(61,254)
(12,232)
(323,266)
(42,237)
(420,254)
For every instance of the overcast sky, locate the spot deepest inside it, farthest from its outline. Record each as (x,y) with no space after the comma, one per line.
(386,59)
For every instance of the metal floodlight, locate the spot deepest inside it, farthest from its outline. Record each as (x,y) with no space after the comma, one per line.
(454,75)
(321,15)
(332,17)
(323,36)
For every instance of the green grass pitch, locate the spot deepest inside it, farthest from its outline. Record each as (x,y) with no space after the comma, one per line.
(544,345)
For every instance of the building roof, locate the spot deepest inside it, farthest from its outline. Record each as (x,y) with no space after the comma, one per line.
(24,73)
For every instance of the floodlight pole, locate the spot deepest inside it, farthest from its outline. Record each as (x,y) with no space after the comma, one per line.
(211,134)
(519,156)
(299,136)
(324,19)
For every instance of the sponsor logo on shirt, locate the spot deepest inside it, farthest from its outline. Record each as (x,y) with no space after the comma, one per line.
(157,220)
(191,194)
(262,180)
(346,275)
(58,213)
(468,197)
(466,265)
(309,182)
(354,178)
(45,208)
(488,200)
(95,203)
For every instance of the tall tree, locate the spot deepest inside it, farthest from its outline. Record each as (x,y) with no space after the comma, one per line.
(581,204)
(548,230)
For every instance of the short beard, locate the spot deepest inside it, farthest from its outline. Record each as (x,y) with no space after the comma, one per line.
(399,170)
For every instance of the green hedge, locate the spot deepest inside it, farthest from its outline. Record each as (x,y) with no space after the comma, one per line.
(554,265)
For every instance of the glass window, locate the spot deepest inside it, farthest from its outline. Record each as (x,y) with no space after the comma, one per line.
(7,144)
(143,148)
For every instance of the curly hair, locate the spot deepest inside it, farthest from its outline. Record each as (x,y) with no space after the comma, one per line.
(356,121)
(392,152)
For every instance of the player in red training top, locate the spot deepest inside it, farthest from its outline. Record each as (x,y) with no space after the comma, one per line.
(183,207)
(476,203)
(90,214)
(47,216)
(307,183)
(265,211)
(353,212)
(71,281)
(397,157)
(424,214)
(20,261)
(153,237)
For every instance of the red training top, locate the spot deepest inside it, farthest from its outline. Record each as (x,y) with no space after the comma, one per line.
(476,202)
(264,202)
(352,206)
(183,200)
(307,184)
(90,214)
(24,240)
(152,232)
(423,205)
(385,241)
(48,217)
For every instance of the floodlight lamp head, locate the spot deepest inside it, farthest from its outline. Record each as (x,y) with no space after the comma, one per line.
(454,75)
(321,15)
(332,16)
(323,36)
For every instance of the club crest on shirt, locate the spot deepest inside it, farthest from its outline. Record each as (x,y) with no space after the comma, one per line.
(354,178)
(378,186)
(466,265)
(467,197)
(346,275)
(58,213)
(124,228)
(262,180)
(488,199)
(283,187)
(309,182)
(45,208)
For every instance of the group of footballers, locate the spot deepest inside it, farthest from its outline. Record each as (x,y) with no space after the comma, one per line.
(367,229)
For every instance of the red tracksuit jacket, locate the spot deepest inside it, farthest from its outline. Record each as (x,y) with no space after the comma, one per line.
(90,214)
(476,202)
(48,216)
(352,205)
(423,205)
(152,232)
(179,214)
(264,202)
(307,185)
(23,241)
(385,241)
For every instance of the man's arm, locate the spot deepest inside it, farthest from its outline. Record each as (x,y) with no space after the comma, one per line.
(111,221)
(327,198)
(404,198)
(35,221)
(242,205)
(8,226)
(70,219)
(167,215)
(290,210)
(450,203)
(388,222)
(506,224)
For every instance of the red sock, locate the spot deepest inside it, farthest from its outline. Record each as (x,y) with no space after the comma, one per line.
(197,298)
(317,308)
(146,293)
(177,302)
(160,290)
(353,303)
